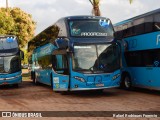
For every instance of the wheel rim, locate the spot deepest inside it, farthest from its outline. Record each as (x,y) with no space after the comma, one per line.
(127,82)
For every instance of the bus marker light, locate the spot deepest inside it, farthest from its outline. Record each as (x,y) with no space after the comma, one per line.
(115,76)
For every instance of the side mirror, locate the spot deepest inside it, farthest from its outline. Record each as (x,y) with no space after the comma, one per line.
(62,43)
(22,55)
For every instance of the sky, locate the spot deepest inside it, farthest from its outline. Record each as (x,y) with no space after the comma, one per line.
(47,12)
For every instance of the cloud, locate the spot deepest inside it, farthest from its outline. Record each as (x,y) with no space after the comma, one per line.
(119,10)
(46,12)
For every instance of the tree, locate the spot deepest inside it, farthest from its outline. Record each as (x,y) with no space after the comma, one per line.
(95,10)
(130,1)
(25,60)
(14,21)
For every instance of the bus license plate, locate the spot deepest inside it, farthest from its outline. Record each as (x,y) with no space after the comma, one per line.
(99,85)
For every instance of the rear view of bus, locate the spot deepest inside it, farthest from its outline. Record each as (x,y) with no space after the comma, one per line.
(10,62)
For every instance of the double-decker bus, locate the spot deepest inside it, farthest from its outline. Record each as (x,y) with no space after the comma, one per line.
(10,60)
(76,53)
(140,37)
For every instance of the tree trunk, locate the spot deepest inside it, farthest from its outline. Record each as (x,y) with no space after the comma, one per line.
(96,10)
(6,4)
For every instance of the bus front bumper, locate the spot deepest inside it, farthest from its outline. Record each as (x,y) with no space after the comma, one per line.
(11,79)
(79,89)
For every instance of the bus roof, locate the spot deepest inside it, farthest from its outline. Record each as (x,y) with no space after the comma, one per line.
(83,17)
(137,17)
(74,18)
(61,20)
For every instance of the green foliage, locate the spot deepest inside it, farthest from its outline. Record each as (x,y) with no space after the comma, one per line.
(14,21)
(25,61)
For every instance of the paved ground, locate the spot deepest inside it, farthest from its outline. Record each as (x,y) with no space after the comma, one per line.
(30,97)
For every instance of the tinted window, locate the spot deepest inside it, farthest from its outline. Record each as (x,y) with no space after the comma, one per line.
(125,30)
(50,34)
(148,24)
(139,26)
(45,62)
(91,28)
(10,64)
(60,64)
(62,32)
(147,58)
(157,22)
(119,32)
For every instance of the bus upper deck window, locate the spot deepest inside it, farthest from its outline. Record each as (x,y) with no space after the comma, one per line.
(157,22)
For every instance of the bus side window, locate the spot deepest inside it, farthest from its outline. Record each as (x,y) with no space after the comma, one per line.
(60,64)
(147,58)
(157,22)
(148,24)
(125,30)
(119,32)
(139,26)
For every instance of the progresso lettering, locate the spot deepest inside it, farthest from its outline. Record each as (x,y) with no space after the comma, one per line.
(93,34)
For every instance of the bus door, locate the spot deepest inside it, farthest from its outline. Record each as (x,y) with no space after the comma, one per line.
(60,74)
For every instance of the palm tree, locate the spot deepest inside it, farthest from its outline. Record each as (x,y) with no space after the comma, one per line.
(130,1)
(95,10)
(6,3)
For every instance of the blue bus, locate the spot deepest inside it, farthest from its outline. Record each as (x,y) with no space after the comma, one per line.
(76,53)
(10,60)
(140,39)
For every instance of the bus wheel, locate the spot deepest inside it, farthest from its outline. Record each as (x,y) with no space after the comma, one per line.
(51,81)
(33,76)
(99,90)
(35,79)
(127,83)
(16,85)
(65,92)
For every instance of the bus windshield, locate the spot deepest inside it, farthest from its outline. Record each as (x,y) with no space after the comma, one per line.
(96,58)
(10,64)
(91,28)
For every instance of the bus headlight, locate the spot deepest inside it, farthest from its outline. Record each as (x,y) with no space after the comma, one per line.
(115,76)
(79,78)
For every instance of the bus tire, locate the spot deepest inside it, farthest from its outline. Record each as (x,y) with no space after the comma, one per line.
(65,92)
(51,81)
(99,90)
(126,82)
(16,85)
(33,77)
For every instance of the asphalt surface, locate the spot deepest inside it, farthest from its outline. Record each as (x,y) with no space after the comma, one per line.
(30,97)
